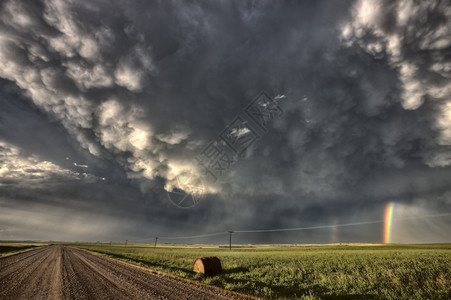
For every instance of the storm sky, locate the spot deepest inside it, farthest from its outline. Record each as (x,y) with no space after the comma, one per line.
(105,107)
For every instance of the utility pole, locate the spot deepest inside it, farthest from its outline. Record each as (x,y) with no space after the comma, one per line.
(126,243)
(156,239)
(230,240)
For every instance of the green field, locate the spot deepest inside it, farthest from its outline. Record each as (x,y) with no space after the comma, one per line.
(317,272)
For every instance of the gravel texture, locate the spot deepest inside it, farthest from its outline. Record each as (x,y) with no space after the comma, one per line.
(60,272)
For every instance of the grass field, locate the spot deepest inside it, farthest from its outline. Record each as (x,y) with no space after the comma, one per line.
(12,248)
(319,272)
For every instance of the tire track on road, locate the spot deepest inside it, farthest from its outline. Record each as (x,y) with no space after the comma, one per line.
(59,272)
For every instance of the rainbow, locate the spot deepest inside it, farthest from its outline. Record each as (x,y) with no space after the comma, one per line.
(388,222)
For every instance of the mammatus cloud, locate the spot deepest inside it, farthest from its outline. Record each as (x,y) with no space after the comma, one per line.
(59,59)
(134,92)
(414,37)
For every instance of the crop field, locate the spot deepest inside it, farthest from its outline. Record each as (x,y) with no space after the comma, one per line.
(315,272)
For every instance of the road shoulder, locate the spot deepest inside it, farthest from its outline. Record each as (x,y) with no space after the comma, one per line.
(196,284)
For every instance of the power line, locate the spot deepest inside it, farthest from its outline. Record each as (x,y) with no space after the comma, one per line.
(182,237)
(337,225)
(290,229)
(193,236)
(306,228)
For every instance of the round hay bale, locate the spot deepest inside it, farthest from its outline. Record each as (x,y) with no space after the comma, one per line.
(209,266)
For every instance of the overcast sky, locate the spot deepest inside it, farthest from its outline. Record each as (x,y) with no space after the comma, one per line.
(106,106)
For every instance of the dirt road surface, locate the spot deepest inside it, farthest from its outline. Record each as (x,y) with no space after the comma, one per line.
(59,272)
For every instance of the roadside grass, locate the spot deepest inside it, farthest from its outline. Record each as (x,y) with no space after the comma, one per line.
(319,272)
(7,249)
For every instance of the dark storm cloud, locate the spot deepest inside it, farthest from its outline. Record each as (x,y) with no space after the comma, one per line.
(121,98)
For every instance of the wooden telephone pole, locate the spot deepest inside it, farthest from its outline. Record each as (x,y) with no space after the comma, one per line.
(230,239)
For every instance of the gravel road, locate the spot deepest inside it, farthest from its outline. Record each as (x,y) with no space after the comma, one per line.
(59,272)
